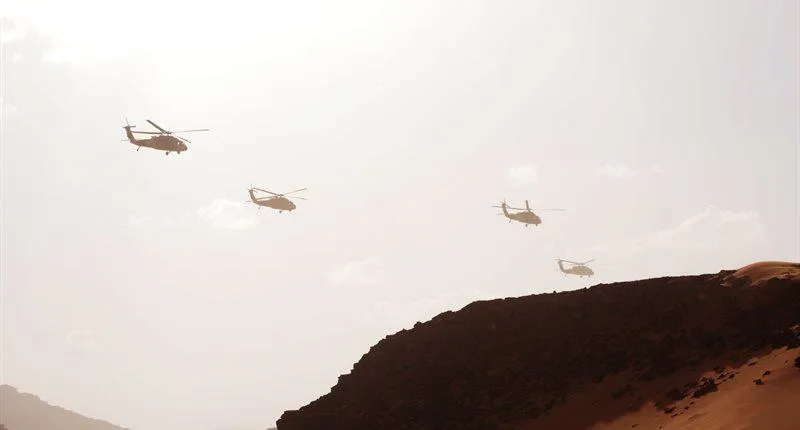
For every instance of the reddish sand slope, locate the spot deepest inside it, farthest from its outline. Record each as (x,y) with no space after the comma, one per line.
(758,273)
(735,400)
(601,357)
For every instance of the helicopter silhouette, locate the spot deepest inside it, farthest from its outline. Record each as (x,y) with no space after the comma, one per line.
(278,201)
(162,140)
(527,216)
(579,269)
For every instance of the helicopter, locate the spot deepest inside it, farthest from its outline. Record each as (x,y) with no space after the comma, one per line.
(579,269)
(277,201)
(526,216)
(163,139)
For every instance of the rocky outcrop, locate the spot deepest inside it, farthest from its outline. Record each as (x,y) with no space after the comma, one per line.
(508,360)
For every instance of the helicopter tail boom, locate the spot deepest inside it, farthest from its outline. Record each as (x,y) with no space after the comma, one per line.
(505,209)
(129,134)
(252,195)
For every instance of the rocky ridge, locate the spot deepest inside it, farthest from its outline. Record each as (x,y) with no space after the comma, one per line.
(500,362)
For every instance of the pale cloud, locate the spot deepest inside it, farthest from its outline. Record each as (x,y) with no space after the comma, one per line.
(616,171)
(83,339)
(140,220)
(222,213)
(366,273)
(522,175)
(712,228)
(703,243)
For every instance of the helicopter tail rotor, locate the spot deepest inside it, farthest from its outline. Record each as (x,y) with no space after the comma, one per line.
(127,127)
(128,133)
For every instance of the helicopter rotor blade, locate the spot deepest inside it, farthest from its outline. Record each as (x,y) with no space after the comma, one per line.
(146,132)
(189,131)
(295,191)
(570,262)
(299,198)
(183,139)
(265,191)
(587,262)
(156,126)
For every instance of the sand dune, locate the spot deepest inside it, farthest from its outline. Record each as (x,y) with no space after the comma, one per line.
(758,273)
(650,353)
(733,401)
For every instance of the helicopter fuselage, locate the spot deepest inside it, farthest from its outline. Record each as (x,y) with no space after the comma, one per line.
(526,218)
(279,203)
(162,143)
(578,269)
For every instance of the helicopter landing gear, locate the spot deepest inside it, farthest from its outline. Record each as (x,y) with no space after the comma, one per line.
(167,152)
(138,148)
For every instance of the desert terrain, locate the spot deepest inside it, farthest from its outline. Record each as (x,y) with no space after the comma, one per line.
(713,351)
(24,411)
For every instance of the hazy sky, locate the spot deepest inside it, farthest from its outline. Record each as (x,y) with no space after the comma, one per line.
(140,289)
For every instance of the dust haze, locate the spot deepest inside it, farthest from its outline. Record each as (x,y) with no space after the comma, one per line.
(154,292)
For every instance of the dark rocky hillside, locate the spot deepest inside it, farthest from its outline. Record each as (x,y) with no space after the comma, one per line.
(497,363)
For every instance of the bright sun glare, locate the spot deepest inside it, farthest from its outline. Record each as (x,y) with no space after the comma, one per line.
(195,38)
